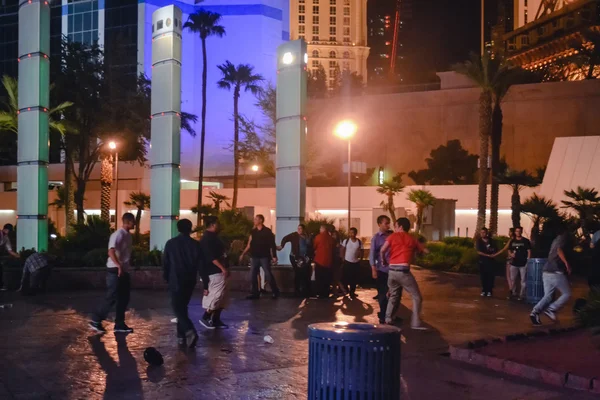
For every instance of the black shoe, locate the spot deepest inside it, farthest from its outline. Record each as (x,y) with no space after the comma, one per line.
(535,319)
(275,296)
(253,297)
(122,328)
(97,326)
(207,323)
(192,338)
(220,325)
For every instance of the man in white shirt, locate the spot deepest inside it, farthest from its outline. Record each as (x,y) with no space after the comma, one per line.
(118,284)
(352,249)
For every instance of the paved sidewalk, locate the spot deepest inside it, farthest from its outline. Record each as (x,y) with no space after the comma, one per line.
(47,351)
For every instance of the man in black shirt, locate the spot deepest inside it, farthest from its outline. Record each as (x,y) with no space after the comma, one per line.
(180,268)
(486,249)
(519,248)
(263,250)
(214,275)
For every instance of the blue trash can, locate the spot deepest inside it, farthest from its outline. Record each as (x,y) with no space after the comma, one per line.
(535,284)
(352,361)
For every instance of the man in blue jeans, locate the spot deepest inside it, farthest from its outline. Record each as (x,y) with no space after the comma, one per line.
(555,277)
(263,250)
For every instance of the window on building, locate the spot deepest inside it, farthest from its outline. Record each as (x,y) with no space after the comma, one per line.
(301,37)
(315,53)
(524,40)
(525,3)
(301,19)
(332,82)
(332,20)
(315,29)
(346,10)
(346,2)
(332,54)
(346,20)
(332,39)
(301,1)
(83,22)
(315,38)
(315,19)
(315,10)
(315,63)
(347,31)
(332,2)
(332,10)
(332,30)
(346,54)
(301,9)
(302,29)
(346,39)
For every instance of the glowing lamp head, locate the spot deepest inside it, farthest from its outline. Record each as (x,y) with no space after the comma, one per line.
(112,145)
(288,58)
(305,58)
(255,168)
(345,129)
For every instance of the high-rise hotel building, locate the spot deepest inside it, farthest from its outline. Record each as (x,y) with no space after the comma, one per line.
(336,33)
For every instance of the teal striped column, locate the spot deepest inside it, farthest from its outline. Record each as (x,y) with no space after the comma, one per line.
(291,139)
(32,169)
(166,125)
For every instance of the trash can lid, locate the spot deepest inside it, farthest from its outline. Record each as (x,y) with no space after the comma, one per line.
(356,332)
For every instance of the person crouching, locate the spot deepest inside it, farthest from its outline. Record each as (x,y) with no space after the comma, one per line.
(36,272)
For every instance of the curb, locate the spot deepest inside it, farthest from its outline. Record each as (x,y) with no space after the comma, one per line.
(468,354)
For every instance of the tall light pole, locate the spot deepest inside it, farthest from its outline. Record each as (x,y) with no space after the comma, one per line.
(113,147)
(255,169)
(346,130)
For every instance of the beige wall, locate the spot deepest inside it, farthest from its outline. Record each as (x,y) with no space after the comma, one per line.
(398,131)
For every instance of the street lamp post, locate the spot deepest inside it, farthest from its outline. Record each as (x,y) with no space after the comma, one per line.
(255,170)
(113,147)
(346,130)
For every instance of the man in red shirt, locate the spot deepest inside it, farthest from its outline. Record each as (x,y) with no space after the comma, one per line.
(323,246)
(402,248)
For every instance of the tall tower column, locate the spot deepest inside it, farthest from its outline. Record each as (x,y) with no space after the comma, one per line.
(32,166)
(291,139)
(166,124)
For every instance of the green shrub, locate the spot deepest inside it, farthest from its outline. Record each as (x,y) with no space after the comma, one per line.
(314,224)
(589,315)
(141,257)
(95,258)
(450,257)
(459,241)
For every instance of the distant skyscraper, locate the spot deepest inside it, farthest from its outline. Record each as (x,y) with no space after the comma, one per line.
(336,33)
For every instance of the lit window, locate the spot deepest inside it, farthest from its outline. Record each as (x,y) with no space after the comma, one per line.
(302,29)
(332,54)
(346,54)
(315,30)
(316,10)
(301,9)
(301,19)
(316,19)
(315,53)
(332,30)
(346,10)
(332,10)
(346,20)
(331,20)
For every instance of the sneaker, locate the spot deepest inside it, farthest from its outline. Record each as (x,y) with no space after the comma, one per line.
(207,323)
(550,314)
(535,319)
(97,326)
(122,328)
(489,294)
(192,338)
(519,299)
(482,294)
(220,324)
(253,297)
(174,320)
(419,328)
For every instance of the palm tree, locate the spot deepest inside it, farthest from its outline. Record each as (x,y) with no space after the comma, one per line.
(235,78)
(141,201)
(390,188)
(217,200)
(540,210)
(489,75)
(206,24)
(106,180)
(422,199)
(517,180)
(586,203)
(61,200)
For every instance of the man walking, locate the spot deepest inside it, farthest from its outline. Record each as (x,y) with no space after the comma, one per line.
(402,247)
(379,268)
(352,249)
(214,275)
(181,259)
(118,283)
(324,246)
(554,277)
(263,250)
(300,259)
(519,249)
(6,250)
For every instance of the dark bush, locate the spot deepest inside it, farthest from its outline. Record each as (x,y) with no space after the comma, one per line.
(589,315)
(95,258)
(141,257)
(450,257)
(459,241)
